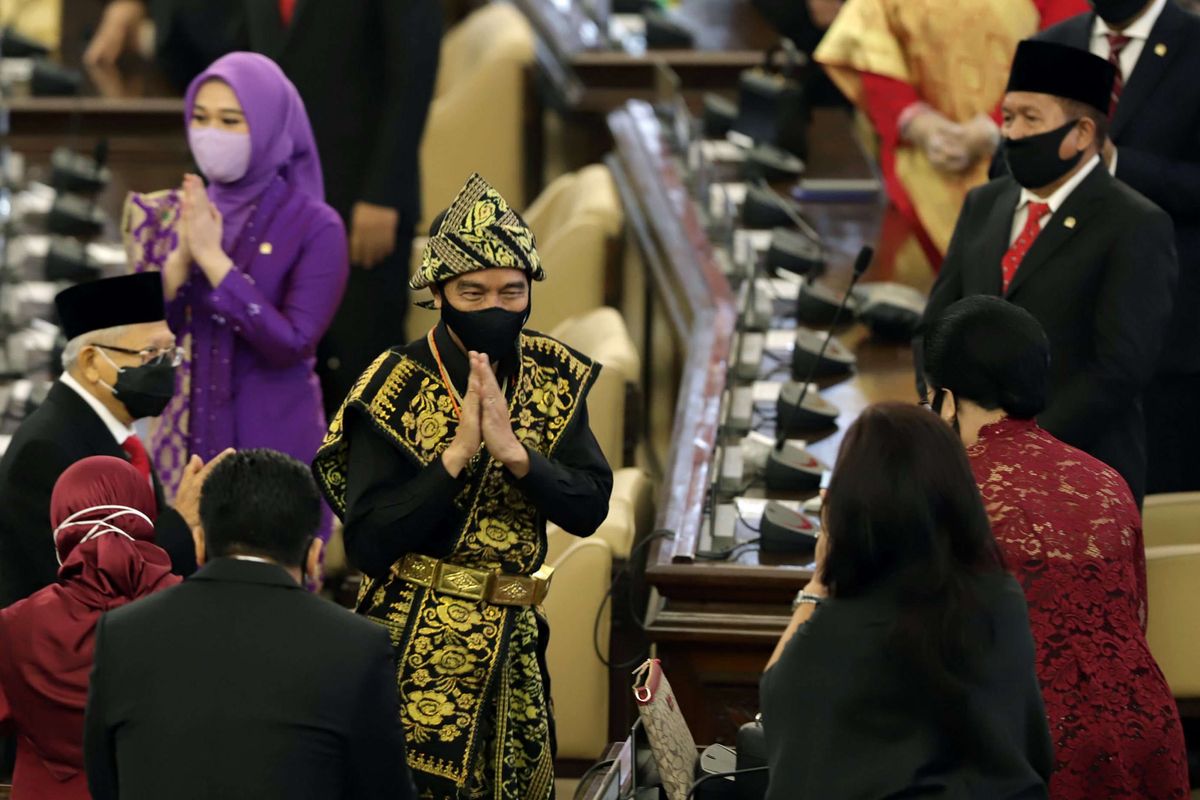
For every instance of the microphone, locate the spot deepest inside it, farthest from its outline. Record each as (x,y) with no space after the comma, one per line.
(861,263)
(788,470)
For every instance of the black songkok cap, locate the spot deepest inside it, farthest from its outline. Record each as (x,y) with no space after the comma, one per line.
(109,303)
(1062,71)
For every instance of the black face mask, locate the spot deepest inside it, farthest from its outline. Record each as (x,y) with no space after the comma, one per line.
(1117,11)
(492,331)
(145,390)
(1034,160)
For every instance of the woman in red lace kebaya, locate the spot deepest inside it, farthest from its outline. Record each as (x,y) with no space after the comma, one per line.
(1072,535)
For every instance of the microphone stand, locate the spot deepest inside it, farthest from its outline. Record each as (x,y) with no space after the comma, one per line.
(776,460)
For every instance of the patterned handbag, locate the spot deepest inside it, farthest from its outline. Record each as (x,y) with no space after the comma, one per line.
(150,233)
(671,741)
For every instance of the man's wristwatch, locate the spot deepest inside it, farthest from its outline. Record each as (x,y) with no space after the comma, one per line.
(803,597)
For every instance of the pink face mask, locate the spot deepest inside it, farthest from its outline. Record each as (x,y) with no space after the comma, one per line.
(223,156)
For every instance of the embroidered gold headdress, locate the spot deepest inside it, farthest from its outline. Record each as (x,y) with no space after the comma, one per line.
(478,231)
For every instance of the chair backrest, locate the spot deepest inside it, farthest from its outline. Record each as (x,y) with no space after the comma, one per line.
(5,791)
(1173,586)
(589,192)
(602,335)
(576,220)
(578,679)
(633,486)
(1171,519)
(476,121)
(616,531)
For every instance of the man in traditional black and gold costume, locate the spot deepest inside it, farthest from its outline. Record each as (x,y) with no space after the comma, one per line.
(445,462)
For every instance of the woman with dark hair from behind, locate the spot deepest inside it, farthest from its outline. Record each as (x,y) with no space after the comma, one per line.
(907,669)
(1071,533)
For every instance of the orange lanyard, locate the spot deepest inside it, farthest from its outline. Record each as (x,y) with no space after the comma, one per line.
(455,398)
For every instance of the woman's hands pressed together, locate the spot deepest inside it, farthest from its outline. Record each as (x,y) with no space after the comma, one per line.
(201,231)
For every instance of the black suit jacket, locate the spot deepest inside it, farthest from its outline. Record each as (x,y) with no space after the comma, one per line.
(1100,278)
(1157,133)
(366,70)
(61,431)
(239,684)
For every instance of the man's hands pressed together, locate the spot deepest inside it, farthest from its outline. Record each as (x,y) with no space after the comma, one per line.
(485,421)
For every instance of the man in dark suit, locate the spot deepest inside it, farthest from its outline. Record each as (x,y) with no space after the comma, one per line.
(238,683)
(1155,148)
(118,366)
(366,72)
(1090,258)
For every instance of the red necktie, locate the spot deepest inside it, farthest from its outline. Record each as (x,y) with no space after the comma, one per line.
(138,456)
(1016,253)
(287,9)
(1116,43)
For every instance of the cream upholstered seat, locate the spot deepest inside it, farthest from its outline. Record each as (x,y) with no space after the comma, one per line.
(630,517)
(578,679)
(576,220)
(601,334)
(1173,586)
(477,119)
(1171,519)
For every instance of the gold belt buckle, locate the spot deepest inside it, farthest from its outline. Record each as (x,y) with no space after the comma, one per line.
(464,582)
(522,590)
(419,569)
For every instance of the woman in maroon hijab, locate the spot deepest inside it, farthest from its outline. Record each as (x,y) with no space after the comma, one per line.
(103,514)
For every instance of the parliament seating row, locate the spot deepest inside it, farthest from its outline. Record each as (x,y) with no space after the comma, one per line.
(1171,529)
(478,108)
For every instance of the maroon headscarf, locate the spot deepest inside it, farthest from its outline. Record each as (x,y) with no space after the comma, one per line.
(47,640)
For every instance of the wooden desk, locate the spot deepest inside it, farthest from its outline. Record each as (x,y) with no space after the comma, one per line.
(132,106)
(587,73)
(715,623)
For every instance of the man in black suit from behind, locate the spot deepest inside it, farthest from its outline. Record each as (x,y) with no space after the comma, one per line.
(238,683)
(1091,259)
(118,367)
(1154,147)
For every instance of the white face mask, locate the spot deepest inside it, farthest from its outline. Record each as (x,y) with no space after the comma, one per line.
(99,526)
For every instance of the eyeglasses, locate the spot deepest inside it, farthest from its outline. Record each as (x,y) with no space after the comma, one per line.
(150,355)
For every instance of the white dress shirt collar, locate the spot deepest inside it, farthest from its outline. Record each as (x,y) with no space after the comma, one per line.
(118,429)
(1061,194)
(1139,30)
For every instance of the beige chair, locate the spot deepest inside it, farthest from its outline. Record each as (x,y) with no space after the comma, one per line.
(1173,586)
(602,335)
(477,119)
(630,516)
(1171,519)
(578,679)
(577,221)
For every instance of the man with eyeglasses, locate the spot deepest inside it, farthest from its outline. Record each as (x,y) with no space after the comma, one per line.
(118,367)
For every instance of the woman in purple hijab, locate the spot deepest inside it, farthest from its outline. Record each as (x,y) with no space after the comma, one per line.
(259,268)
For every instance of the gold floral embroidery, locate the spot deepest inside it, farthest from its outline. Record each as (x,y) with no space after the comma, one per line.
(428,708)
(466,666)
